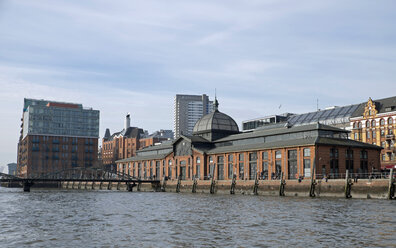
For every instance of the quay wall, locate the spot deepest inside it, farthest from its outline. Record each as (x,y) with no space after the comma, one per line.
(363,188)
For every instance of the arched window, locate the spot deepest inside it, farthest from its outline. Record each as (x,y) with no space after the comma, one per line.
(354,125)
(390,121)
(373,123)
(359,125)
(198,160)
(382,122)
(367,123)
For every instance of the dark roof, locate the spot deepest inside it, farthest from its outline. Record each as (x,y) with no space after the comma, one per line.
(130,132)
(345,142)
(157,147)
(141,158)
(294,143)
(215,121)
(107,133)
(380,105)
(194,139)
(280,130)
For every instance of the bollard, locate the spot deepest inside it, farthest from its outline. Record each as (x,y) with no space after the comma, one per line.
(233,184)
(391,188)
(348,185)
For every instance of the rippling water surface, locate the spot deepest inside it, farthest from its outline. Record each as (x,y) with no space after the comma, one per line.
(52,218)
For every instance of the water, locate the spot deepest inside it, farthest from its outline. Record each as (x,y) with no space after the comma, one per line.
(52,218)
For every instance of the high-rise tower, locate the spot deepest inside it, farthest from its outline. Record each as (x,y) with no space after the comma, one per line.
(188,109)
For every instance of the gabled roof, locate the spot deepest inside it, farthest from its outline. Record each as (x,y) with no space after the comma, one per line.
(130,132)
(380,105)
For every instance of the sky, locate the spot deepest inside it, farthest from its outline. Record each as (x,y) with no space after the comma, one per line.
(263,57)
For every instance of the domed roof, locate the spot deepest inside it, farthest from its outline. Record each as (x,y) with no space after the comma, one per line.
(215,121)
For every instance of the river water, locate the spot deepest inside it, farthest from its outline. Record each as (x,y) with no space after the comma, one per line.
(70,218)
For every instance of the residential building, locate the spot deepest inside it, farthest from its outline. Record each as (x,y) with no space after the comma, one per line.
(374,122)
(12,169)
(217,149)
(188,109)
(56,136)
(120,145)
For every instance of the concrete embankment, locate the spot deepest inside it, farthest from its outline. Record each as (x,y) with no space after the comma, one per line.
(364,188)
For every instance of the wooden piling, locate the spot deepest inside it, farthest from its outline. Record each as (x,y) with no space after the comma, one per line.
(348,185)
(282,186)
(313,183)
(391,188)
(233,184)
(256,184)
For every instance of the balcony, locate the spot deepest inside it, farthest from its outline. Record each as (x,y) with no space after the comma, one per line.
(390,137)
(390,149)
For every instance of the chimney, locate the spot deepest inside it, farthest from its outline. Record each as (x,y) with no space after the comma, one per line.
(127,121)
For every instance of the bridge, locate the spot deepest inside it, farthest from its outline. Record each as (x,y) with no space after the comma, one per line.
(80,175)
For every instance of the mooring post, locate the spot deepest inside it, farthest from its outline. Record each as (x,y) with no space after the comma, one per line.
(139,186)
(233,183)
(93,185)
(163,185)
(73,185)
(79,185)
(26,185)
(130,187)
(391,188)
(178,184)
(100,184)
(348,185)
(67,184)
(118,186)
(313,183)
(109,185)
(282,186)
(86,185)
(256,184)
(194,186)
(213,186)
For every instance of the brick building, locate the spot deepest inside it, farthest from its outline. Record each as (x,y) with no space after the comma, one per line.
(56,136)
(125,143)
(374,122)
(217,149)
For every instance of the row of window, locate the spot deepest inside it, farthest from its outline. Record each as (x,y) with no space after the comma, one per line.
(372,123)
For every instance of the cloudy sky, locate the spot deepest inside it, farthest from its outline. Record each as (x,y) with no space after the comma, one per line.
(263,57)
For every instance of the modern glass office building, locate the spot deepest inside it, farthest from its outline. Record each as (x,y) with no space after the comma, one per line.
(56,136)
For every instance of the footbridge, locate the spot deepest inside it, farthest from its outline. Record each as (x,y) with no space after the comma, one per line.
(80,178)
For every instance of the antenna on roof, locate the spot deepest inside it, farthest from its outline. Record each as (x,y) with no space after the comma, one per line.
(216,103)
(317,104)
